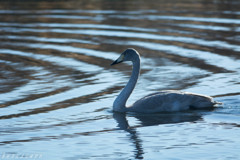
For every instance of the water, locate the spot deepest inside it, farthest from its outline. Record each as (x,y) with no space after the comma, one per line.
(57,85)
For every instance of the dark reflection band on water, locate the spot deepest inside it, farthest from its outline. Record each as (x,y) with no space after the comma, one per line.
(57,86)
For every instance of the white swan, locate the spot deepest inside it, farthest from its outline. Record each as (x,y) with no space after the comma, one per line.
(167,100)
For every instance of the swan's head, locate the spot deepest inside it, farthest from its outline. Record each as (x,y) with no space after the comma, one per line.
(128,55)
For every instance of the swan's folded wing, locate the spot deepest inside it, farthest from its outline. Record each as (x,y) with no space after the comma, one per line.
(171,100)
(160,102)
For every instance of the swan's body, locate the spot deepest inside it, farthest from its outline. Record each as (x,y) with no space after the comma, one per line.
(168,100)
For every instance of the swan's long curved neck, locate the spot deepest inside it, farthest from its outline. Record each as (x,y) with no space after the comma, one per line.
(120,102)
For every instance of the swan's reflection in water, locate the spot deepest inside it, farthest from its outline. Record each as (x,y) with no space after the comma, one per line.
(150,120)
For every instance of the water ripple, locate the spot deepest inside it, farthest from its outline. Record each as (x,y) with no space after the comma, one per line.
(57,86)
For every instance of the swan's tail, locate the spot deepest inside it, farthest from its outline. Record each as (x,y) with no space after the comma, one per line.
(217,103)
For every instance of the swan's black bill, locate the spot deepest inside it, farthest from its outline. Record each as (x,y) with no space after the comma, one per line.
(116,62)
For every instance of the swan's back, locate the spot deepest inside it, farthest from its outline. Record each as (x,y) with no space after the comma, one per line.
(171,100)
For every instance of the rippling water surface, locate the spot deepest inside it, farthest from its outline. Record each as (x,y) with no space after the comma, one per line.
(57,86)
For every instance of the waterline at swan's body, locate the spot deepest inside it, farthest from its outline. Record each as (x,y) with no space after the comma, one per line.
(169,100)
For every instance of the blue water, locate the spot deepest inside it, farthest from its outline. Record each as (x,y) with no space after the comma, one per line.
(57,86)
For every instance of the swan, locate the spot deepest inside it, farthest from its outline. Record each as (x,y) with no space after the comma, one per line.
(162,101)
